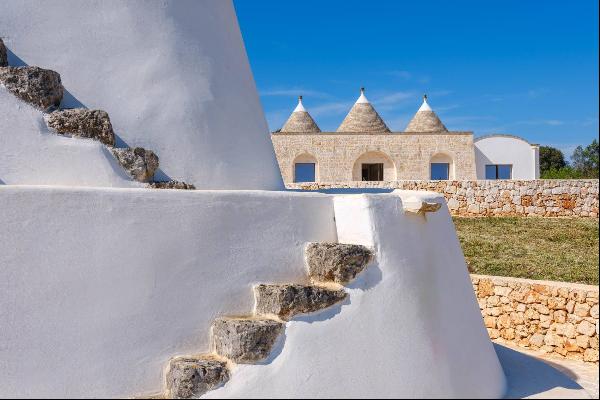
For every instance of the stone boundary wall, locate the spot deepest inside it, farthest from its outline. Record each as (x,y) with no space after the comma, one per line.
(542,197)
(555,317)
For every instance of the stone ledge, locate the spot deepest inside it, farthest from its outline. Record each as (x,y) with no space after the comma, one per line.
(139,163)
(288,300)
(172,185)
(336,262)
(245,340)
(191,377)
(37,86)
(93,124)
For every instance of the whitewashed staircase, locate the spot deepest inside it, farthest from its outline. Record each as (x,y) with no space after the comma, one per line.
(42,88)
(250,339)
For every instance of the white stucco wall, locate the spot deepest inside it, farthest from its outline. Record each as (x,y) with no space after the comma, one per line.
(173,76)
(120,280)
(99,288)
(506,149)
(411,327)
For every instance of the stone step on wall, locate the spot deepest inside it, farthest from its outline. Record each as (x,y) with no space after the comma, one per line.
(336,262)
(286,301)
(251,339)
(81,122)
(191,377)
(43,89)
(484,198)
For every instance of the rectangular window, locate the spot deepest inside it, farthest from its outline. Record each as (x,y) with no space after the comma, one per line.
(498,171)
(304,172)
(372,172)
(440,171)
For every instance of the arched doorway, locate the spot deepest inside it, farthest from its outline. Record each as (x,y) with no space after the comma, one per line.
(374,166)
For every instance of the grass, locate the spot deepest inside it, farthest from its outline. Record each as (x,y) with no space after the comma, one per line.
(558,249)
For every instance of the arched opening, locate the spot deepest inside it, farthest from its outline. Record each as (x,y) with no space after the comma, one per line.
(441,167)
(374,166)
(305,168)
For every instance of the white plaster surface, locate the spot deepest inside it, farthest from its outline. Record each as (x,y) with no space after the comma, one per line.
(411,327)
(362,98)
(505,149)
(173,76)
(300,107)
(99,288)
(30,154)
(425,106)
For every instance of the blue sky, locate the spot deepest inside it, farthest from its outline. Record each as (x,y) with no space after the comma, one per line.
(527,68)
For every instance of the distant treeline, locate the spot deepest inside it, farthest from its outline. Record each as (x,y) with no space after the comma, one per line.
(584,163)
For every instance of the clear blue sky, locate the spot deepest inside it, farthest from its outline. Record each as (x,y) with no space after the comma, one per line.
(528,68)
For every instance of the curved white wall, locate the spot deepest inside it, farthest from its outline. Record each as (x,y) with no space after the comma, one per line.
(30,154)
(99,288)
(173,76)
(124,279)
(499,149)
(411,327)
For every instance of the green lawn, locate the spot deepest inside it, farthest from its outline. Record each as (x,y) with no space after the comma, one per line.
(558,249)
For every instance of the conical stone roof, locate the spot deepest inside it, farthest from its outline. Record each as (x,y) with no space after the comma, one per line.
(425,120)
(300,121)
(363,118)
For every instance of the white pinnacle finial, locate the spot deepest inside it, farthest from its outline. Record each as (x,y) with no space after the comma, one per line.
(362,98)
(299,107)
(425,106)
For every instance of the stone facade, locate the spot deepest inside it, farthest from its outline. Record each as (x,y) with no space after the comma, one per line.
(405,155)
(554,317)
(542,197)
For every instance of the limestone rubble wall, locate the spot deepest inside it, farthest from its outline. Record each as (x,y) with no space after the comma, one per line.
(542,197)
(555,317)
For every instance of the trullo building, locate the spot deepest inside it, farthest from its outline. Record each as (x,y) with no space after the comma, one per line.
(364,149)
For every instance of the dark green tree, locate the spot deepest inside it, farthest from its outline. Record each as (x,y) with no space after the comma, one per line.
(585,160)
(551,159)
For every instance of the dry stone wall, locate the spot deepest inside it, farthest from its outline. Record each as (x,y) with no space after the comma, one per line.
(542,197)
(554,317)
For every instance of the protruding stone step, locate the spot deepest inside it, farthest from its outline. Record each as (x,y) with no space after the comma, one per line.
(94,124)
(37,86)
(288,300)
(418,206)
(191,377)
(138,162)
(336,262)
(3,55)
(245,340)
(172,185)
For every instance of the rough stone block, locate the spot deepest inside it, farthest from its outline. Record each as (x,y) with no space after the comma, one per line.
(245,340)
(189,377)
(582,309)
(172,185)
(3,56)
(285,301)
(590,355)
(586,328)
(138,162)
(93,124)
(336,262)
(37,86)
